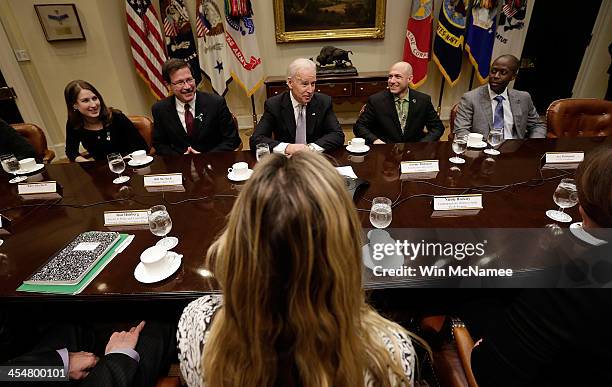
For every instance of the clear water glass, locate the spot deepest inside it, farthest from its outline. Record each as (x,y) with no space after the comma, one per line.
(117,165)
(381,213)
(160,222)
(10,164)
(494,139)
(459,146)
(565,196)
(261,151)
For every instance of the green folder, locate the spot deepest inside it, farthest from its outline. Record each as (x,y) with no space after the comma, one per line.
(77,288)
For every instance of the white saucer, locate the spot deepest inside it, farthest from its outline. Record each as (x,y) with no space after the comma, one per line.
(352,149)
(478,145)
(38,167)
(580,233)
(233,177)
(142,276)
(167,243)
(134,163)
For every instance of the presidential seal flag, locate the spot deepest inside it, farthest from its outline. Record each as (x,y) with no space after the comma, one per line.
(512,29)
(245,61)
(179,38)
(418,40)
(480,36)
(449,39)
(146,44)
(213,53)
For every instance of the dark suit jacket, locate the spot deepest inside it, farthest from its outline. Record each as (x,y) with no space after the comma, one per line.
(379,119)
(13,142)
(214,130)
(278,123)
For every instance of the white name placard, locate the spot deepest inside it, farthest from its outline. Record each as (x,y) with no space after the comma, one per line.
(163,179)
(126,218)
(37,188)
(564,157)
(421,166)
(457,202)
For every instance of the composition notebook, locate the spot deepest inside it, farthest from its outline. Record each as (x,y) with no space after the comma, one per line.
(70,265)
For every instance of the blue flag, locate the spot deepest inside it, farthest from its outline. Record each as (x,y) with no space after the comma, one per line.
(481,36)
(449,39)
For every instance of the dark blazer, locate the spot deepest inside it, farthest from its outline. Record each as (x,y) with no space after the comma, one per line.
(13,142)
(214,129)
(379,119)
(278,123)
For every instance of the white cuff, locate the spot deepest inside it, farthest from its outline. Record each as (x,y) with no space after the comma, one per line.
(316,147)
(280,148)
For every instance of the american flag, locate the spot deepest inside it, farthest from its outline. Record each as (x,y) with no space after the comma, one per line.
(170,27)
(201,25)
(147,44)
(509,8)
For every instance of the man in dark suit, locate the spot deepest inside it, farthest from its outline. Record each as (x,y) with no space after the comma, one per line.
(131,358)
(190,121)
(14,143)
(399,114)
(299,119)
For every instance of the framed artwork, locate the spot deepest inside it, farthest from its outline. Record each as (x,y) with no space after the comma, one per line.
(59,22)
(304,20)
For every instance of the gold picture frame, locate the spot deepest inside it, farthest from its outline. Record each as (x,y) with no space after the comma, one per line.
(60,22)
(306,20)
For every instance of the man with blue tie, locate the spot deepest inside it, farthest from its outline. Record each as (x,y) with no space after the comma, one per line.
(299,119)
(495,106)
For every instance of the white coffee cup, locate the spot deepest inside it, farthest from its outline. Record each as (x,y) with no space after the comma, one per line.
(156,260)
(27,164)
(239,169)
(139,156)
(357,142)
(474,139)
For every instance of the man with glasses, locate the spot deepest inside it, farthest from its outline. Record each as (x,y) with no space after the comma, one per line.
(190,121)
(299,119)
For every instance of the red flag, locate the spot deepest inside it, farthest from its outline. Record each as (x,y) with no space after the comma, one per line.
(147,44)
(418,40)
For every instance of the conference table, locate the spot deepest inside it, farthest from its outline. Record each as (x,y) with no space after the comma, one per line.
(516,194)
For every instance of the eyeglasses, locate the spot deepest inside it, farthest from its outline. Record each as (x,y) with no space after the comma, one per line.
(183,82)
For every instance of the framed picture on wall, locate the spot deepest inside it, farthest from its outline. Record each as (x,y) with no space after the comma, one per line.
(60,22)
(303,20)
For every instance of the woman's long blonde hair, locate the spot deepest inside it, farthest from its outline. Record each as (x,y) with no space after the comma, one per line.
(289,265)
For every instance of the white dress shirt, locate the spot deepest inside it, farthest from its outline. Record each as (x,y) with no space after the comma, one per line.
(508,118)
(180,109)
(280,148)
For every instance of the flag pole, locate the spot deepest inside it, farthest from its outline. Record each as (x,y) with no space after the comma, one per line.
(440,97)
(472,78)
(254,112)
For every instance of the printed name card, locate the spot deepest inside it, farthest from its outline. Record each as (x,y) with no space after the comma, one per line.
(126,218)
(422,166)
(564,157)
(457,202)
(37,188)
(163,179)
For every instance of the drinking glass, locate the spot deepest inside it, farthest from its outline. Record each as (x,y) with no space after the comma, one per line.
(160,224)
(117,165)
(381,213)
(459,146)
(495,137)
(565,196)
(261,151)
(10,164)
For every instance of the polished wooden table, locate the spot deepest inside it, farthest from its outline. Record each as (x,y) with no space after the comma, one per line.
(39,229)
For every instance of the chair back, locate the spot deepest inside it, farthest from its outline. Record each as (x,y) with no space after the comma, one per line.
(579,117)
(235,123)
(144,125)
(453,115)
(36,137)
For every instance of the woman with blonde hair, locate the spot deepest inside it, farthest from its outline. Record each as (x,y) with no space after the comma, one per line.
(293,311)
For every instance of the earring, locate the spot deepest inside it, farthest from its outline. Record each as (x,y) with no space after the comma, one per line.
(74,108)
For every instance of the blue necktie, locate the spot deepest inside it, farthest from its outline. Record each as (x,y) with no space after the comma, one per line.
(498,117)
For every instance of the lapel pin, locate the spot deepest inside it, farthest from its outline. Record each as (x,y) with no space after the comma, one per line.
(413,100)
(314,114)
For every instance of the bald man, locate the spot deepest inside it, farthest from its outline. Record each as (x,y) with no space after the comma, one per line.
(399,114)
(494,105)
